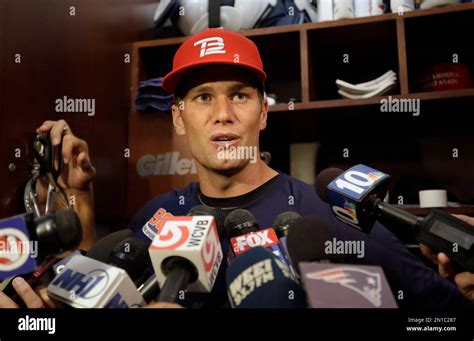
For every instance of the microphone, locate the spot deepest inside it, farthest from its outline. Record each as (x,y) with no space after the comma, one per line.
(328,285)
(150,288)
(186,254)
(85,282)
(218,214)
(355,198)
(259,279)
(283,221)
(245,234)
(25,239)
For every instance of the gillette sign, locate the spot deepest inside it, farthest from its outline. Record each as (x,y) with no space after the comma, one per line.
(194,238)
(165,164)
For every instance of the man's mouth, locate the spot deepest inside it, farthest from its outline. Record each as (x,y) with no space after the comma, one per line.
(224,139)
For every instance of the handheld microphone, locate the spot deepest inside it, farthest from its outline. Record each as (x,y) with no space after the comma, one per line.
(150,288)
(328,283)
(246,234)
(25,239)
(259,279)
(355,197)
(85,282)
(186,254)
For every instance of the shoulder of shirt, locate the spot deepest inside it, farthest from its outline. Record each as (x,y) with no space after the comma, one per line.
(158,201)
(297,184)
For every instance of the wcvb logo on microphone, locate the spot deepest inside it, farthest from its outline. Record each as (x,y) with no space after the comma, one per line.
(174,233)
(209,251)
(13,249)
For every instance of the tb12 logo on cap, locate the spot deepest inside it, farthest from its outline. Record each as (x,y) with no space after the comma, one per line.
(211,45)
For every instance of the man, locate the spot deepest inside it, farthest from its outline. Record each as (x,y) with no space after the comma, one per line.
(218,83)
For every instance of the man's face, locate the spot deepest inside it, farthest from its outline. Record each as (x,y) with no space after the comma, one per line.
(221,111)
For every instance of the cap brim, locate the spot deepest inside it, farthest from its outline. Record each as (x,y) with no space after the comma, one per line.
(171,80)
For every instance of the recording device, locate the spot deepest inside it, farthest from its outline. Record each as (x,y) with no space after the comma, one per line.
(186,254)
(259,279)
(85,282)
(25,241)
(356,198)
(245,234)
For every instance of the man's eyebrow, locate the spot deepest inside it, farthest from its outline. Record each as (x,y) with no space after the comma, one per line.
(202,88)
(239,86)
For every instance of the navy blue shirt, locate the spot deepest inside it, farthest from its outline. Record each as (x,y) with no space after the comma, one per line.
(421,287)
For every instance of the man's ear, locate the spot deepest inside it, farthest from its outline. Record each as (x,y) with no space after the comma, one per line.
(178,120)
(264,113)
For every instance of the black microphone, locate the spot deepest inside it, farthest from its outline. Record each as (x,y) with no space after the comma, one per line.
(246,234)
(240,222)
(359,203)
(259,279)
(283,221)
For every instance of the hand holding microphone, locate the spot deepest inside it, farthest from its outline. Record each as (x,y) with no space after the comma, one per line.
(355,197)
(464,280)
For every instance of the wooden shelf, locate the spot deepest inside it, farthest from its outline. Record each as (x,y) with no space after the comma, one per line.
(344,102)
(321,25)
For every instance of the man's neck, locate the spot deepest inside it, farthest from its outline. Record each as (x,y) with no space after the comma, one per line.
(216,185)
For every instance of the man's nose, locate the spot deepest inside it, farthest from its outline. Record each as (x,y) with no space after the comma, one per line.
(223,111)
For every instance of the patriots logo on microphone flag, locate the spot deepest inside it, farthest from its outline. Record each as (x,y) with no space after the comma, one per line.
(363,282)
(330,285)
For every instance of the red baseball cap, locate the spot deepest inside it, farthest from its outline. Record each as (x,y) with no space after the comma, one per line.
(214,46)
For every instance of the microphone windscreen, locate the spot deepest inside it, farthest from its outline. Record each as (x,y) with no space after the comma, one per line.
(131,254)
(324,179)
(69,228)
(102,249)
(258,279)
(283,221)
(306,241)
(239,218)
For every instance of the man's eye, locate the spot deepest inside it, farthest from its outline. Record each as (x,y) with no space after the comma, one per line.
(239,97)
(203,98)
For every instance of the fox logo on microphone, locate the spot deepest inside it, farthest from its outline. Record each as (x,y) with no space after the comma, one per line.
(264,238)
(194,238)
